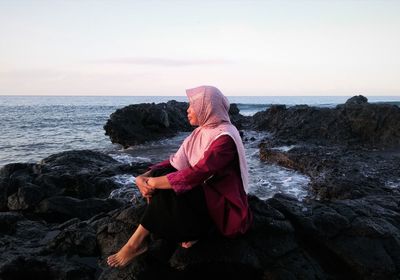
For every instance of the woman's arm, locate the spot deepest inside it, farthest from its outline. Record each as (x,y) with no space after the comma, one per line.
(159,182)
(221,153)
(147,185)
(161,165)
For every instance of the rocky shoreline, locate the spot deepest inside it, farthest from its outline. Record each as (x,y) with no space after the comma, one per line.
(57,222)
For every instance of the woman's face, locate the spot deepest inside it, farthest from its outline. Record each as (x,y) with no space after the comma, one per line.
(192,116)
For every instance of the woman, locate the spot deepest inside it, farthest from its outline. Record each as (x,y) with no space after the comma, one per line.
(204,186)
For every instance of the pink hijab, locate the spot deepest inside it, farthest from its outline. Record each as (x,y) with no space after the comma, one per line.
(211,108)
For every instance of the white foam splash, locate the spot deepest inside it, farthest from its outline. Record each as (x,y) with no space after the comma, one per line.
(393,184)
(127,190)
(284,148)
(156,151)
(269,179)
(127,158)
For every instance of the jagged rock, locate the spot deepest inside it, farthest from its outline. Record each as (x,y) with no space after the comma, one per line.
(237,119)
(289,239)
(24,267)
(8,221)
(355,123)
(349,235)
(62,208)
(64,185)
(270,248)
(26,197)
(77,239)
(337,172)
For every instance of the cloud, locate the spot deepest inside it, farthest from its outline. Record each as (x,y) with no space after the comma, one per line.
(167,62)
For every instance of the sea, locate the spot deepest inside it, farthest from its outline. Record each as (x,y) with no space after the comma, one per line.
(34,127)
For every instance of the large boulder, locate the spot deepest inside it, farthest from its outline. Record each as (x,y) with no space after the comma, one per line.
(140,123)
(357,100)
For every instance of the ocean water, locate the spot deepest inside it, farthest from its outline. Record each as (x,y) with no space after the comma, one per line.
(34,127)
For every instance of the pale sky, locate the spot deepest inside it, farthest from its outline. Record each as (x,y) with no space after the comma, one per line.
(244,47)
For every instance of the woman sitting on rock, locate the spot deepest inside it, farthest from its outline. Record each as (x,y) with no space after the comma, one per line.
(204,186)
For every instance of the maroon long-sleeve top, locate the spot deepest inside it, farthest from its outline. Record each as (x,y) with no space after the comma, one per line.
(218,172)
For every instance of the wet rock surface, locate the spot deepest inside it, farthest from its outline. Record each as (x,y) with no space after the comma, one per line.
(56,221)
(337,172)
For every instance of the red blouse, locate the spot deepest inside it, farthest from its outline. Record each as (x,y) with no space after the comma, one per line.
(218,172)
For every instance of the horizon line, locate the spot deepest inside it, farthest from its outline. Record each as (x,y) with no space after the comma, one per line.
(280,95)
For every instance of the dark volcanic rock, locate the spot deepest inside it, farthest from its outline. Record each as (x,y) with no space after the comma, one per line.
(270,248)
(354,123)
(65,185)
(337,172)
(136,124)
(71,250)
(8,221)
(77,239)
(237,119)
(358,239)
(357,100)
(70,186)
(289,239)
(25,254)
(350,223)
(140,123)
(62,208)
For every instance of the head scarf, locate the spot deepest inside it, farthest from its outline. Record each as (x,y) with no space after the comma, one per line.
(211,108)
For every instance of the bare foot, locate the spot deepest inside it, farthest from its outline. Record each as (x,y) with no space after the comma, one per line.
(126,255)
(188,244)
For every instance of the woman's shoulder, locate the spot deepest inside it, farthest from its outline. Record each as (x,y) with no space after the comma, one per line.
(223,139)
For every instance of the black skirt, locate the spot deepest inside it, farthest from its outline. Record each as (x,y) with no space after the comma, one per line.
(177,218)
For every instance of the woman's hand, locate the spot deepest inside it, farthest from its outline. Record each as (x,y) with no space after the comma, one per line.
(144,188)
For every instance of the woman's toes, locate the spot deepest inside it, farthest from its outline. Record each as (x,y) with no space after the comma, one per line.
(188,244)
(111,260)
